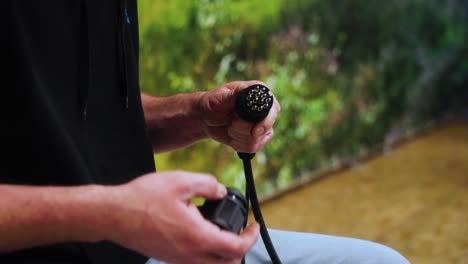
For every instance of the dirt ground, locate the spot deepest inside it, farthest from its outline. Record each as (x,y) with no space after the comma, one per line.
(413,199)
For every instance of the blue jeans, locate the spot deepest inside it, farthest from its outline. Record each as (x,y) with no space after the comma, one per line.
(307,248)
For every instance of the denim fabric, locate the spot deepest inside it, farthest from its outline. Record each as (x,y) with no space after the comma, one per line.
(307,248)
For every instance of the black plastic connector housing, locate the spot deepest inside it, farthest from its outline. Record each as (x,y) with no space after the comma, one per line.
(229,213)
(253,103)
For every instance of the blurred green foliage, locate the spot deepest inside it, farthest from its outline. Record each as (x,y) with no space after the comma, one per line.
(348,74)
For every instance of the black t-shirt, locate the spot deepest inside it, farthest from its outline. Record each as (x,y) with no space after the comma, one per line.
(74,114)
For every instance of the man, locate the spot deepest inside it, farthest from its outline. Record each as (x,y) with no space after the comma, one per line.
(79,184)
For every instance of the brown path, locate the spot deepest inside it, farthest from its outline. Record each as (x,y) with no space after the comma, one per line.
(414,199)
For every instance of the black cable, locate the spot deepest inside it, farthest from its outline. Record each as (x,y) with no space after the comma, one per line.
(247,198)
(252,105)
(252,194)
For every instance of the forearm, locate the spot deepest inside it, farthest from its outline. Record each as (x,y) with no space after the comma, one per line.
(33,216)
(173,122)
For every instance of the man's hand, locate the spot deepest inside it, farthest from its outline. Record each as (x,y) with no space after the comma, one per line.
(152,214)
(180,120)
(164,224)
(221,123)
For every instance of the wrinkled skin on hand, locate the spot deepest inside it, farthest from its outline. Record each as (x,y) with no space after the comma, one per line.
(164,224)
(224,125)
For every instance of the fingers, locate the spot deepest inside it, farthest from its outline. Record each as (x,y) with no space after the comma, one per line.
(216,244)
(251,145)
(248,137)
(239,85)
(230,245)
(215,259)
(200,185)
(226,127)
(172,228)
(267,123)
(240,128)
(225,96)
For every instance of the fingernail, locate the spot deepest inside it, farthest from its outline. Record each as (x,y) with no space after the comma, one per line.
(243,85)
(222,191)
(259,131)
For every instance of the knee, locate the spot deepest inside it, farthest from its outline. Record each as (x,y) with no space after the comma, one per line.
(374,253)
(295,247)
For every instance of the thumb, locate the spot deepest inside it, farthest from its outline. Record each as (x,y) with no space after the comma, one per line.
(226,95)
(230,90)
(226,98)
(203,185)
